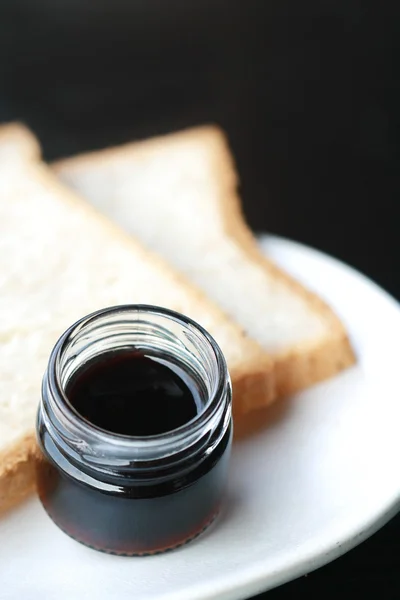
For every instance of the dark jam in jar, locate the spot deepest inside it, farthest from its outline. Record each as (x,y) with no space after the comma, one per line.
(129,393)
(135,430)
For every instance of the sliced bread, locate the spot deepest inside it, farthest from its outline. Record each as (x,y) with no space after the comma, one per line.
(178,195)
(59,260)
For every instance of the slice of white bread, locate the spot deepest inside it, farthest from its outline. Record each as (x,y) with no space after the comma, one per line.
(178,195)
(59,260)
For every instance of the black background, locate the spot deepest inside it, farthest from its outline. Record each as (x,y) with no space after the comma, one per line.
(309,94)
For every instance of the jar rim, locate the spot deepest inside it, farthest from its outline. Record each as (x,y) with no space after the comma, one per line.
(164,442)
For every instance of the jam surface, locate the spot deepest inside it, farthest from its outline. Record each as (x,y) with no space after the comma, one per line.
(130,393)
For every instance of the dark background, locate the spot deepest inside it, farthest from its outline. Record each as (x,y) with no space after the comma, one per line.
(309,94)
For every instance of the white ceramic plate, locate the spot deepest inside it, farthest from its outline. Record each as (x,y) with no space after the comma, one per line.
(319,479)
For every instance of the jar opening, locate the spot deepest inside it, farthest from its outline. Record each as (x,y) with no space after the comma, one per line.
(152,331)
(136,393)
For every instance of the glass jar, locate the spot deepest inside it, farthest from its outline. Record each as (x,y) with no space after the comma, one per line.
(124,494)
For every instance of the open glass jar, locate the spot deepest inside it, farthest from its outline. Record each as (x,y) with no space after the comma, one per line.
(134,494)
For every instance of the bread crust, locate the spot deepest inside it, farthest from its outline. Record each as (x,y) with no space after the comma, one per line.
(17,472)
